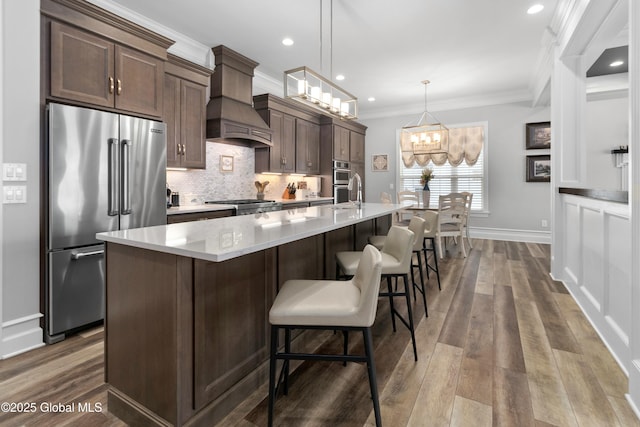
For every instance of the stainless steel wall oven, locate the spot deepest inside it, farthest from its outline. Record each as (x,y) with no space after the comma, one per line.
(341,173)
(341,176)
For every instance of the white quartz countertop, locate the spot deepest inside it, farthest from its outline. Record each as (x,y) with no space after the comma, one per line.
(226,238)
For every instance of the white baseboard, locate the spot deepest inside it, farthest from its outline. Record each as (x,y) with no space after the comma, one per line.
(21,335)
(530,236)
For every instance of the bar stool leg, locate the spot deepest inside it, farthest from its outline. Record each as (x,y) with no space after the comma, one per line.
(421,288)
(424,252)
(410,314)
(393,310)
(435,260)
(287,349)
(345,344)
(371,369)
(272,372)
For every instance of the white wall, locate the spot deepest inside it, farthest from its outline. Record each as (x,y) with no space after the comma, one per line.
(514,205)
(19,284)
(607,127)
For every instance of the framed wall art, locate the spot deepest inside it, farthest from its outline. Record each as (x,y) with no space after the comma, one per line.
(538,135)
(539,168)
(380,162)
(226,163)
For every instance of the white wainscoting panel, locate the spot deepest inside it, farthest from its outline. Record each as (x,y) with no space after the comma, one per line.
(597,270)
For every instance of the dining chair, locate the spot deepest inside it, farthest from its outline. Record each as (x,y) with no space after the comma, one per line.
(467,213)
(385,198)
(451,209)
(327,305)
(406,198)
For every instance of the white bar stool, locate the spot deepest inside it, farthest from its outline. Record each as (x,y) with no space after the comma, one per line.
(396,262)
(332,305)
(417,225)
(431,233)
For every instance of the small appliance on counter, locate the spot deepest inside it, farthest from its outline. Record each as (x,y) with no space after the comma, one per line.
(175,199)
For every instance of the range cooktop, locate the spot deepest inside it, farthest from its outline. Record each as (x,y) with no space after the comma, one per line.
(238,201)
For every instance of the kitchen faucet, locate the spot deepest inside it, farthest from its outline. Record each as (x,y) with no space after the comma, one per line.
(355,177)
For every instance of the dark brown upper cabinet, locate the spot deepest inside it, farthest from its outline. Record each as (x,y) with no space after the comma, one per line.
(281,157)
(184,112)
(340,143)
(90,69)
(307,147)
(356,147)
(296,137)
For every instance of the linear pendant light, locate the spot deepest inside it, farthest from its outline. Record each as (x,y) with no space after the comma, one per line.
(309,87)
(425,137)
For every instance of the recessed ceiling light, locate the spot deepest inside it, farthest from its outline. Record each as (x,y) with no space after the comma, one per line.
(371,99)
(340,77)
(616,63)
(287,41)
(535,9)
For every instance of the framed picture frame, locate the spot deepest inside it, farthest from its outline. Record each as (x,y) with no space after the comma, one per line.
(380,162)
(539,168)
(226,163)
(538,135)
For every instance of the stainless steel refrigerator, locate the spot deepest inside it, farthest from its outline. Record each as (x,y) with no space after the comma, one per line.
(105,172)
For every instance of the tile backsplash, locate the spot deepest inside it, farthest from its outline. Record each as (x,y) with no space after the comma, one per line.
(196,186)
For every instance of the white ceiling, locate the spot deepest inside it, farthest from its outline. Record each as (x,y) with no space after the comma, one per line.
(468,49)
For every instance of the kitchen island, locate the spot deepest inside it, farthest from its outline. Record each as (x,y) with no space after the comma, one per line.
(187,329)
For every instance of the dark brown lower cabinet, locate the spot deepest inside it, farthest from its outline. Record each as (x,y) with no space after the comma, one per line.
(187,339)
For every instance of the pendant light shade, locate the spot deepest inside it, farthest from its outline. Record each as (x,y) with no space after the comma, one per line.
(314,90)
(427,135)
(309,87)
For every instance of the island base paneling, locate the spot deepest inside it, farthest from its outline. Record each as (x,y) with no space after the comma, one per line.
(232,302)
(148,332)
(187,339)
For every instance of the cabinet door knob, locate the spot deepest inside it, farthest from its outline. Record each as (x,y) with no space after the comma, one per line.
(110,84)
(184,150)
(119,86)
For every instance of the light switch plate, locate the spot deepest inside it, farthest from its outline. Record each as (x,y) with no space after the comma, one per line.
(14,194)
(14,171)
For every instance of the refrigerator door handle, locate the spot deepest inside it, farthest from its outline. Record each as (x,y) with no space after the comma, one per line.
(126,197)
(80,255)
(113,207)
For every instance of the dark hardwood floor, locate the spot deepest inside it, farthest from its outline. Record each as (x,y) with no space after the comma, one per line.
(503,345)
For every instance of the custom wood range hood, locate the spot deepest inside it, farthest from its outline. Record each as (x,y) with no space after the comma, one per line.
(231,118)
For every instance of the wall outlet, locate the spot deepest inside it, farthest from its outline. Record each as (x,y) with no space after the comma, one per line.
(544,223)
(391,186)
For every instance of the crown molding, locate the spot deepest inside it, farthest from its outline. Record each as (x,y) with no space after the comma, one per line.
(460,103)
(183,47)
(263,83)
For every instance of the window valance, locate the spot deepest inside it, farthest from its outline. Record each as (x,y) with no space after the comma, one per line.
(464,144)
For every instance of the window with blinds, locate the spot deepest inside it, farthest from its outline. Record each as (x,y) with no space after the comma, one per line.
(450,179)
